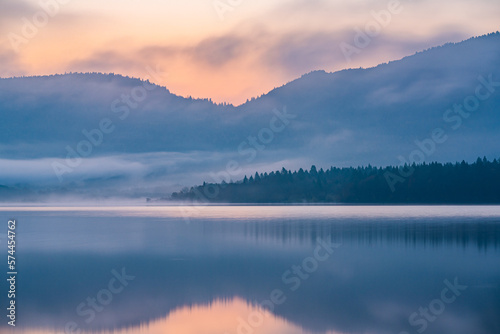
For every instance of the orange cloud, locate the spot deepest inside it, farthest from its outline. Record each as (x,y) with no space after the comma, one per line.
(259,45)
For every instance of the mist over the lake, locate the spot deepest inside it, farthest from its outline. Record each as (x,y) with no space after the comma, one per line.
(106,135)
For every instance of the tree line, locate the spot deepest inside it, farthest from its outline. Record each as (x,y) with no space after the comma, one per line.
(426,183)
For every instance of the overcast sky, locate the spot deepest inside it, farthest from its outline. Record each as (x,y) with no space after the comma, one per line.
(227,50)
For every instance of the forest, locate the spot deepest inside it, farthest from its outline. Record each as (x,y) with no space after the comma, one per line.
(426,183)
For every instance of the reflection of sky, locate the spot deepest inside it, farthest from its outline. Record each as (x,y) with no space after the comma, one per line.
(209,269)
(216,318)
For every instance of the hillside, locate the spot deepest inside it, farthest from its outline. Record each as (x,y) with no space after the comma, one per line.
(157,141)
(434,183)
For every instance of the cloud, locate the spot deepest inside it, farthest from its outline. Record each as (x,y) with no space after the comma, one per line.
(297,53)
(15,9)
(155,51)
(220,51)
(212,52)
(260,47)
(106,61)
(10,65)
(292,53)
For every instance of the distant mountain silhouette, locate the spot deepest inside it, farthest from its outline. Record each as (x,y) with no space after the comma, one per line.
(157,141)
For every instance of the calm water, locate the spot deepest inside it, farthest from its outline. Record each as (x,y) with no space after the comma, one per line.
(255,270)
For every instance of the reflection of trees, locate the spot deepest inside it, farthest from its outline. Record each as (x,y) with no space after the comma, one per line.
(483,235)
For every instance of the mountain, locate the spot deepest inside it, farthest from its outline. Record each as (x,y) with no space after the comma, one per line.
(108,135)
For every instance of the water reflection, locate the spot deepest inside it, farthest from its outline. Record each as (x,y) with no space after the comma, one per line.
(215,318)
(212,270)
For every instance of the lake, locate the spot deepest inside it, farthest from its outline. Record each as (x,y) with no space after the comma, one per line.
(255,269)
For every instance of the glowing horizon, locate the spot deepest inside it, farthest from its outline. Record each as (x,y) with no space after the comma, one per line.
(228,53)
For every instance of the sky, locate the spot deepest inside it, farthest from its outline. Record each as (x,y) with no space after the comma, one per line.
(227,50)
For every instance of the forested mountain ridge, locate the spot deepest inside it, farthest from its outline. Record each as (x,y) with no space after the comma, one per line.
(433,183)
(155,142)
